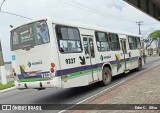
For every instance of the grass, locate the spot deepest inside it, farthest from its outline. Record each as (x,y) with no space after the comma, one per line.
(8,85)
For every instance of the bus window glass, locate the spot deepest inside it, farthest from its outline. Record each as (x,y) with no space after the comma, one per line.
(71,34)
(131,42)
(134,42)
(68,39)
(29,35)
(91,48)
(76,34)
(138,43)
(64,33)
(69,46)
(85,43)
(14,41)
(42,32)
(114,42)
(102,41)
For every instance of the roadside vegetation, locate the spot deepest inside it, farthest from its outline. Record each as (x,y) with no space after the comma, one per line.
(8,85)
(153,37)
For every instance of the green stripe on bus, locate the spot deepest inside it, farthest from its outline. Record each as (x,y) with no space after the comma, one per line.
(130,61)
(81,73)
(114,65)
(73,75)
(33,79)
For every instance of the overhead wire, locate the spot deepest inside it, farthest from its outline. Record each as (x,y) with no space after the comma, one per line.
(98,12)
(151,23)
(16,15)
(93,10)
(77,7)
(148,30)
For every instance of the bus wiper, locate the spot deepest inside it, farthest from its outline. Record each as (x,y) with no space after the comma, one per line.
(27,47)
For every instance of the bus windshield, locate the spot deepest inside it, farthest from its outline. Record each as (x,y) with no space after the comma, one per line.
(29,35)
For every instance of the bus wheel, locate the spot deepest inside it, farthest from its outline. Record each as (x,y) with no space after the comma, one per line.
(106,76)
(139,65)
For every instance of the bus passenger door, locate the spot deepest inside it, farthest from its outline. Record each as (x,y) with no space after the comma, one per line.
(126,55)
(90,58)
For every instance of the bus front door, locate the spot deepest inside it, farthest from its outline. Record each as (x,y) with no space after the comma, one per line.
(90,58)
(126,56)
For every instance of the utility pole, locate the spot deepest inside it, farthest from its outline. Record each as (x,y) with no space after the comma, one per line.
(1,5)
(139,24)
(2,68)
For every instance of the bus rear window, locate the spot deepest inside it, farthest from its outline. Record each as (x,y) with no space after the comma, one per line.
(29,35)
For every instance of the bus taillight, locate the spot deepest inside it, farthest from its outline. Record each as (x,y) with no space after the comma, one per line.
(14,72)
(52,67)
(52,70)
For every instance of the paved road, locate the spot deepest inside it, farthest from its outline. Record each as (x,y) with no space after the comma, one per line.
(69,96)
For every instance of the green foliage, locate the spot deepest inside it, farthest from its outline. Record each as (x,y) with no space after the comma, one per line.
(155,35)
(8,85)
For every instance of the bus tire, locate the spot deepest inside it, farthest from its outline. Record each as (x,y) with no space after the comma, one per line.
(139,65)
(106,76)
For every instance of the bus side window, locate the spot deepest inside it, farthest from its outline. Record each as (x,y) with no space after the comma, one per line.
(134,42)
(131,43)
(68,39)
(114,42)
(139,45)
(102,41)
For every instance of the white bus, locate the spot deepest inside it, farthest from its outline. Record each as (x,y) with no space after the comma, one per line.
(51,53)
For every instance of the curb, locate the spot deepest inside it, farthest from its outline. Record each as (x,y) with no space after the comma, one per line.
(8,89)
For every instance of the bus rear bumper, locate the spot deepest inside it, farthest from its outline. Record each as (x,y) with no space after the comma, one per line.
(38,84)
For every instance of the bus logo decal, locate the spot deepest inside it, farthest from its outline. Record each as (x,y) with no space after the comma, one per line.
(101,58)
(29,64)
(37,63)
(34,63)
(104,57)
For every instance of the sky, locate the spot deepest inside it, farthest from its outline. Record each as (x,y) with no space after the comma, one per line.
(112,14)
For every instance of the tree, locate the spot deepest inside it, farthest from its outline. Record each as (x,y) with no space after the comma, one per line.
(154,36)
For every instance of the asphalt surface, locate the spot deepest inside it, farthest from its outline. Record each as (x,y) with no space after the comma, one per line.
(64,96)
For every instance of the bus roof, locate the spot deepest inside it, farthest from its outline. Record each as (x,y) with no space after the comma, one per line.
(80,25)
